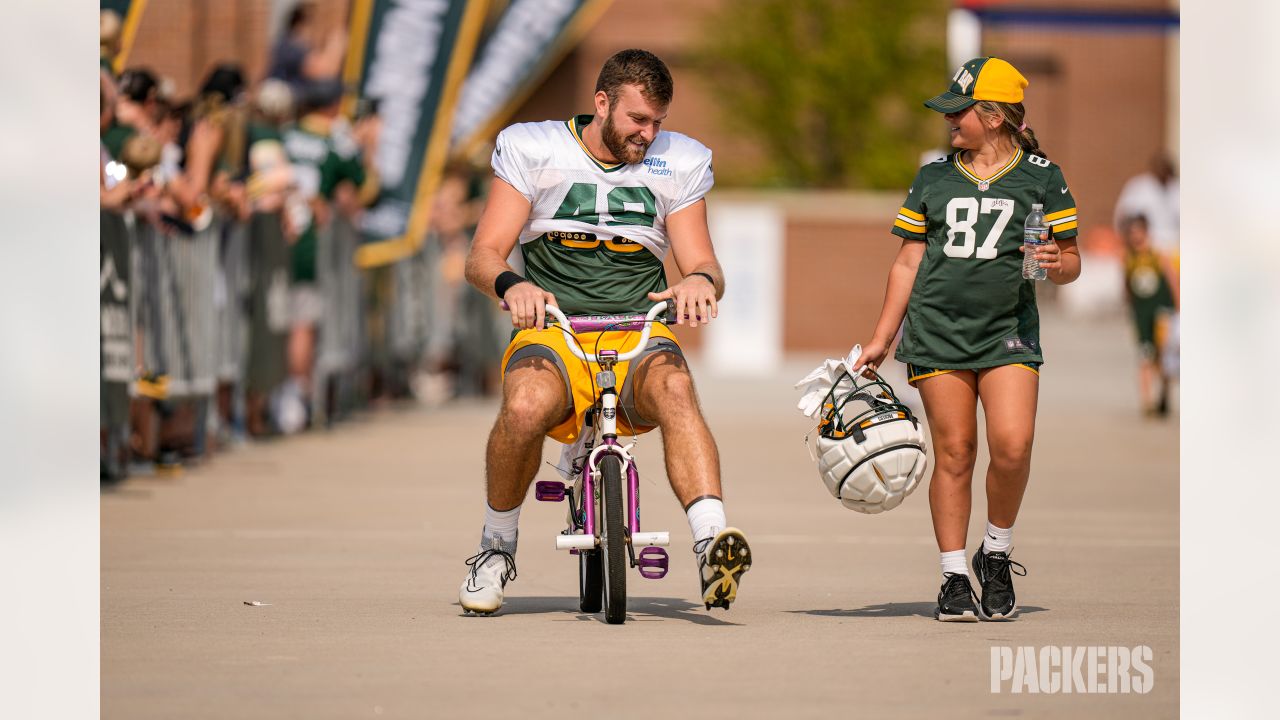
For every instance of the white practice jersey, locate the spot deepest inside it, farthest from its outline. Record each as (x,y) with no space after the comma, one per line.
(544,160)
(596,235)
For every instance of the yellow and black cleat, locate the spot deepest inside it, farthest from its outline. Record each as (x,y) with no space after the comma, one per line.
(721,562)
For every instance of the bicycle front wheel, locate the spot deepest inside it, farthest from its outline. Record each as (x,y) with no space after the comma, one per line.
(613,540)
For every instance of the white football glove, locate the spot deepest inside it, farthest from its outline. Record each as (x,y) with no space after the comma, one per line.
(816,385)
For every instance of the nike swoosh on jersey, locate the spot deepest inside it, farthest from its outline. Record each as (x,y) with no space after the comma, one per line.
(1064,191)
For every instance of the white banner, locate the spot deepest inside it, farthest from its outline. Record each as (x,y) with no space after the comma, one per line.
(746,338)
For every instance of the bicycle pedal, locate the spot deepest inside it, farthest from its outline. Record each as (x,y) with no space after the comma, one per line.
(549,491)
(653,563)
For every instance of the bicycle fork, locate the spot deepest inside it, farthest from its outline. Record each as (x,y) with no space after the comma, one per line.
(652,561)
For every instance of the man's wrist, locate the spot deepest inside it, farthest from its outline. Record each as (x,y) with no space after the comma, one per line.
(505,281)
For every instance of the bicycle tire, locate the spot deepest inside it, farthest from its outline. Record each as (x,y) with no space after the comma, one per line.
(613,541)
(590,581)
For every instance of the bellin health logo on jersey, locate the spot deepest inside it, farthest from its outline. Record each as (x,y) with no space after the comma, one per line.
(656,166)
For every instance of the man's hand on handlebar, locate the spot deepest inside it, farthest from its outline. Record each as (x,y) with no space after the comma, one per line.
(527,303)
(694,296)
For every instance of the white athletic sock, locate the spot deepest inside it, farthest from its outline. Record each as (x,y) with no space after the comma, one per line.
(997,539)
(706,516)
(501,524)
(953,562)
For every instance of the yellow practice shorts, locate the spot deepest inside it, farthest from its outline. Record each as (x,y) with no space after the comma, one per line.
(550,343)
(915,373)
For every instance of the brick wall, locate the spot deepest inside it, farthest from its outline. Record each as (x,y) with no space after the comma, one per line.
(1097,101)
(183,39)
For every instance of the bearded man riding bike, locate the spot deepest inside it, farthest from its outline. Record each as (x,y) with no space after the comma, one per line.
(596,203)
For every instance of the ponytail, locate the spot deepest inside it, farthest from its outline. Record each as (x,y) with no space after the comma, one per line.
(1026,139)
(1014,117)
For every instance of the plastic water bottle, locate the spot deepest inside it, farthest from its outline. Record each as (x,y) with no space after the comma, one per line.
(1032,229)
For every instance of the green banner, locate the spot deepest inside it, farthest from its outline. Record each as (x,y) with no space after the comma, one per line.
(526,44)
(411,56)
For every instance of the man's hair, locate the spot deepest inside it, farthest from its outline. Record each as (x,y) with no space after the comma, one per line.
(636,67)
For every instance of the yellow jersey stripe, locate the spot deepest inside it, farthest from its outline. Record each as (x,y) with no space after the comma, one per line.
(1065,227)
(912,214)
(1060,214)
(915,229)
(573,130)
(1060,221)
(965,171)
(909,221)
(1013,162)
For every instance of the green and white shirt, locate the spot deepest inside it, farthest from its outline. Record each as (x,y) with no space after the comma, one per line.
(596,235)
(322,157)
(970,307)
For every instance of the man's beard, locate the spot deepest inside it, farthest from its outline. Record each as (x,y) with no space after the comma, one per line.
(620,147)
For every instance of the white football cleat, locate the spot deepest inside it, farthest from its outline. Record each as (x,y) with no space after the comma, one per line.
(491,568)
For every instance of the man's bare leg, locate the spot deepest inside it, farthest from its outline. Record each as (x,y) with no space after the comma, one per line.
(533,402)
(665,394)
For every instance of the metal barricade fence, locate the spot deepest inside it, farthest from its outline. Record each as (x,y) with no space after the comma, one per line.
(231,299)
(340,341)
(268,303)
(413,284)
(116,350)
(116,324)
(177,313)
(439,321)
(213,307)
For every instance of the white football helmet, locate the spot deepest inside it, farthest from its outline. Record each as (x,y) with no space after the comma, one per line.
(870,449)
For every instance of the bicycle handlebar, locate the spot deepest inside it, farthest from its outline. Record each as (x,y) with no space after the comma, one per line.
(597,323)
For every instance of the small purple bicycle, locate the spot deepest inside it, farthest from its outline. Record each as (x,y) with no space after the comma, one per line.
(604,529)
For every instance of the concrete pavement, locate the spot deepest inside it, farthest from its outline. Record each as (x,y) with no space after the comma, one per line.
(356,539)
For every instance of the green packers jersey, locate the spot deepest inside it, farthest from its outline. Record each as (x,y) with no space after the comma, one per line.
(597,234)
(1145,278)
(1149,291)
(970,307)
(322,157)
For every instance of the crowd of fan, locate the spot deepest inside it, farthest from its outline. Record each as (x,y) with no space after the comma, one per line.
(279,150)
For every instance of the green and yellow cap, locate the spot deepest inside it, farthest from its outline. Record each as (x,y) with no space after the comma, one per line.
(980,79)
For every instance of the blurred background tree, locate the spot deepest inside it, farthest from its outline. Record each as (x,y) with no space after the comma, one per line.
(831,90)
